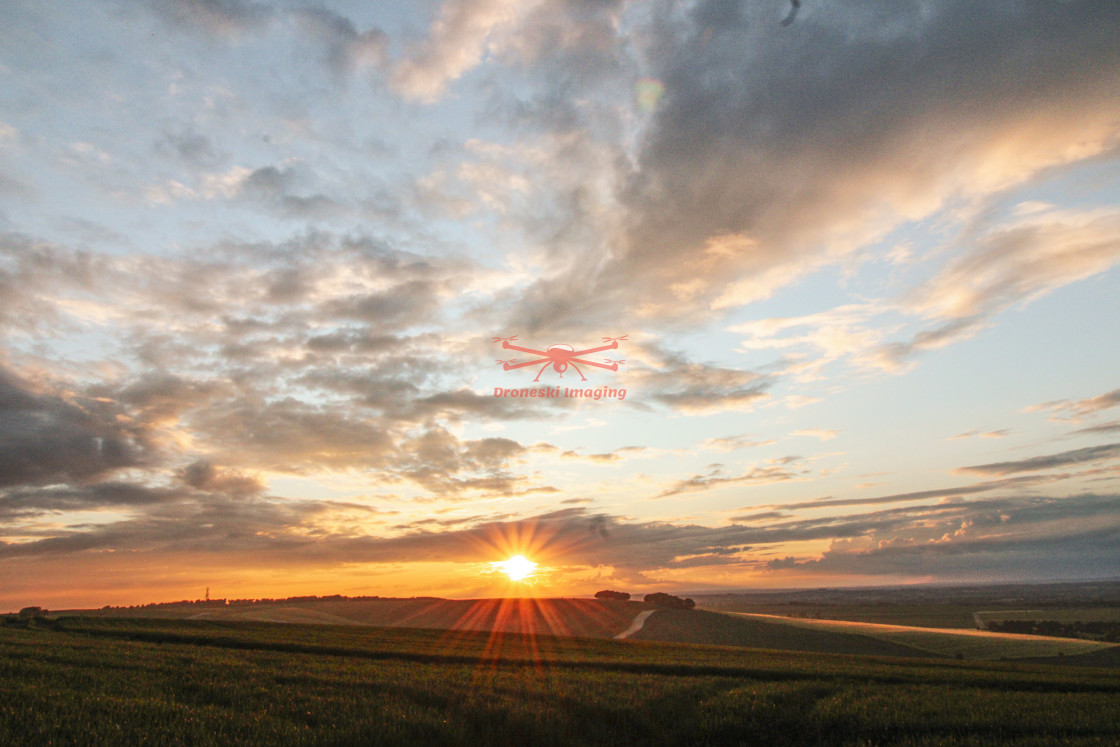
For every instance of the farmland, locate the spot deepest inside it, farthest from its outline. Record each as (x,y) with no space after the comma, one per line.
(561,617)
(930,606)
(588,618)
(968,644)
(114,680)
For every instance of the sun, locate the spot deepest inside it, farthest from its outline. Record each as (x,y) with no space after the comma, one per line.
(517,568)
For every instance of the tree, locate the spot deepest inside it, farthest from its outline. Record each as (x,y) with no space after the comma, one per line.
(668,601)
(621,596)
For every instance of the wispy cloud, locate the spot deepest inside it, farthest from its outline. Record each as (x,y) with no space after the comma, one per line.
(1075,410)
(780,470)
(1087,455)
(824,434)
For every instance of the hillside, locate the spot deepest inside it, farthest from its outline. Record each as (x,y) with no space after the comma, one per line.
(698,626)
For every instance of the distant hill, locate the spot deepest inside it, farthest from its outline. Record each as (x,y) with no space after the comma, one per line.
(698,626)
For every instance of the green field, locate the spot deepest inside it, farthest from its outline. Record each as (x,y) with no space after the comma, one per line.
(133,681)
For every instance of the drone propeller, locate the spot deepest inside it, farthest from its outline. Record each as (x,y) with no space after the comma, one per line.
(615,339)
(503,339)
(608,360)
(511,360)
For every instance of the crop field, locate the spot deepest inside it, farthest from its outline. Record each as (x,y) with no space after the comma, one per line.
(131,681)
(969,644)
(590,618)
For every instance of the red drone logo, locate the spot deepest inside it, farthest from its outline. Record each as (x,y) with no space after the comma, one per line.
(560,356)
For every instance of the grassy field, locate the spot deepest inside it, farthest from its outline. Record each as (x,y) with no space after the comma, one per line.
(969,644)
(106,681)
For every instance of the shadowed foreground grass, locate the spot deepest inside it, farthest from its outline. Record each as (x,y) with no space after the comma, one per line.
(104,681)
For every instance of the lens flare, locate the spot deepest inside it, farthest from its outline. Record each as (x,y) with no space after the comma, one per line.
(649,92)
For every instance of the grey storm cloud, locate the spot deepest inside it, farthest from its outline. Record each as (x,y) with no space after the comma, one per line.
(203,475)
(1074,537)
(1086,455)
(178,520)
(734,148)
(778,150)
(46,438)
(27,501)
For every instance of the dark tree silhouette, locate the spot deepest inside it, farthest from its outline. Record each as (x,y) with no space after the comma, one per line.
(621,596)
(668,601)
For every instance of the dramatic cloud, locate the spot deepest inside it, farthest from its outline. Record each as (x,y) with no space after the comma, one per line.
(1054,537)
(254,275)
(47,437)
(761,164)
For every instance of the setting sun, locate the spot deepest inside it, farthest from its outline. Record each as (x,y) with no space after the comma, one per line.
(517,568)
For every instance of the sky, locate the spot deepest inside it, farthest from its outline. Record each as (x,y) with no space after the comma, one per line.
(258,260)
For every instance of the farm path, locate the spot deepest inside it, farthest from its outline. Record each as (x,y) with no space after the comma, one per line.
(636,625)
